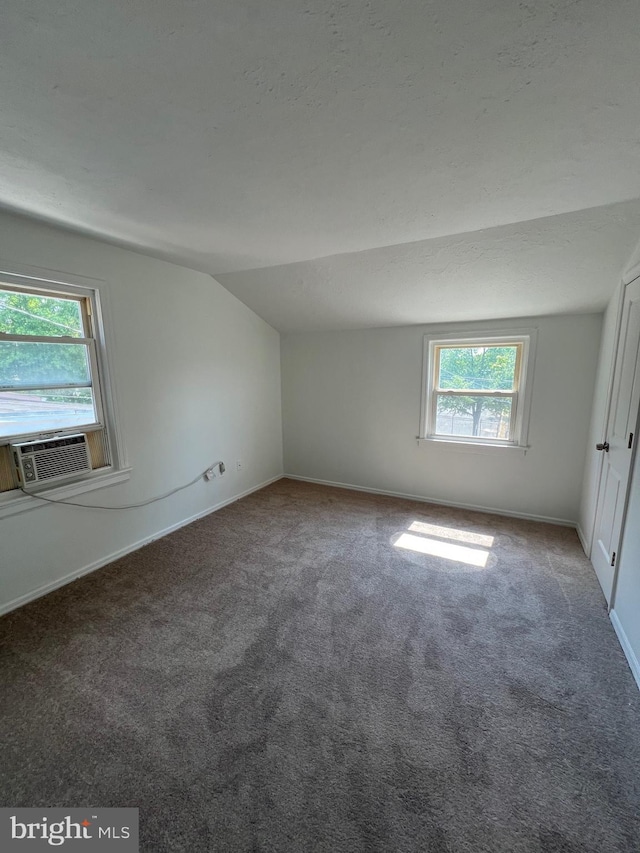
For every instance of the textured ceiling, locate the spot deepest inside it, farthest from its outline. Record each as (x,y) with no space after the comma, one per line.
(242,135)
(556,265)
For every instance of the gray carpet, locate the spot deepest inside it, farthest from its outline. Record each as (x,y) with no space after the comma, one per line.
(280,676)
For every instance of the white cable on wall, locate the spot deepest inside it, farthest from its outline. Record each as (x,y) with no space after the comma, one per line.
(129,506)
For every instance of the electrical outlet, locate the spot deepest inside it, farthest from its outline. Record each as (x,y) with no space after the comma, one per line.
(239,465)
(216,470)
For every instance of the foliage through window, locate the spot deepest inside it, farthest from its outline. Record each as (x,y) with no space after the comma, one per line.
(474,389)
(48,367)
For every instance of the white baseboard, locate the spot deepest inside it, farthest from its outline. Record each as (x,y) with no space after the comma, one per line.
(564,522)
(634,663)
(583,541)
(103,561)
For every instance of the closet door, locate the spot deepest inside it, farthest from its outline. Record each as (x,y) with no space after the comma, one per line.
(617,445)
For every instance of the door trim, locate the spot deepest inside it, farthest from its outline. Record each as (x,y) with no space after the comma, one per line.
(632,277)
(604,425)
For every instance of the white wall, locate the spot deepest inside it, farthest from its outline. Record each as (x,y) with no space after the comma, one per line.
(197,376)
(598,423)
(626,606)
(351,410)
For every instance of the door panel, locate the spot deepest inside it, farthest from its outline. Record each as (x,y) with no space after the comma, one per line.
(628,376)
(604,543)
(614,477)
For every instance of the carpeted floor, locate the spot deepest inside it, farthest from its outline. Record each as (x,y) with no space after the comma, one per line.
(281,676)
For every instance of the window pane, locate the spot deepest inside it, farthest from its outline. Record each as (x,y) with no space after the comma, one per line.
(477,368)
(482,417)
(25,363)
(28,314)
(45,411)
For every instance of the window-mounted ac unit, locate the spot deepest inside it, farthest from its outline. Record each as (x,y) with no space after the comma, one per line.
(51,458)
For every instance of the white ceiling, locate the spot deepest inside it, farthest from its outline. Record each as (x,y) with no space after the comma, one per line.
(556,265)
(460,159)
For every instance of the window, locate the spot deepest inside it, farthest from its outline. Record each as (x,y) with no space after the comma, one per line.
(54,379)
(48,364)
(477,389)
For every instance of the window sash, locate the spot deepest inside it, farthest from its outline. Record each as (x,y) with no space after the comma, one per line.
(517,420)
(85,303)
(471,392)
(511,421)
(518,345)
(46,386)
(89,343)
(43,339)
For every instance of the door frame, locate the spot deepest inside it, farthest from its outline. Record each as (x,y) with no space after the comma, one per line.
(628,278)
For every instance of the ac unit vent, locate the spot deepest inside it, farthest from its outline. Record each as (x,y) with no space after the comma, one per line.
(52,458)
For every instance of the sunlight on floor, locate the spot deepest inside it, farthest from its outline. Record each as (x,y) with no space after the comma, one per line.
(451,533)
(447,550)
(421,539)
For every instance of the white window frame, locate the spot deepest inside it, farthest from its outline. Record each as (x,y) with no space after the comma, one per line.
(88,308)
(521,395)
(95,291)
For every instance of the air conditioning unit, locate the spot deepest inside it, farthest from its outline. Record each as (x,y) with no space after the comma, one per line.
(51,458)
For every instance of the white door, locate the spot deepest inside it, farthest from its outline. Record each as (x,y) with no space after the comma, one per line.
(618,444)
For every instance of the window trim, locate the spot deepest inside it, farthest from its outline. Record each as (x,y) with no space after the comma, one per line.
(481,337)
(48,283)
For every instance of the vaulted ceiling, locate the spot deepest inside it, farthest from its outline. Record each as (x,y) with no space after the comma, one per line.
(337,164)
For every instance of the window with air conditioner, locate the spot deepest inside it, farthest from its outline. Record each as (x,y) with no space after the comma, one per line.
(477,389)
(55,396)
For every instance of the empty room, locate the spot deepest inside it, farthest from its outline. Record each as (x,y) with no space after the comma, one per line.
(319,395)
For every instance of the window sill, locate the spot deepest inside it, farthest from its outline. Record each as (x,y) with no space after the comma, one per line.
(473,446)
(15,502)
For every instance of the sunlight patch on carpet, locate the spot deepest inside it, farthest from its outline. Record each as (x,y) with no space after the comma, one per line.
(447,550)
(451,533)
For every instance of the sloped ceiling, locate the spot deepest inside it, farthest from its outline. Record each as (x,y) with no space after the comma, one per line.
(556,265)
(337,164)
